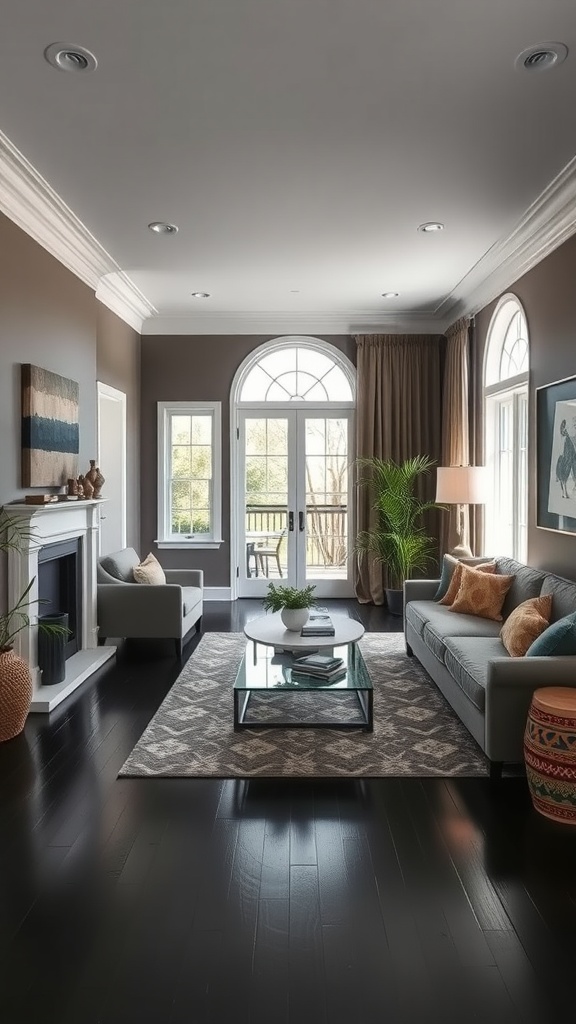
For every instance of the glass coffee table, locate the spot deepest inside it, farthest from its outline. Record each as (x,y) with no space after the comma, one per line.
(268,673)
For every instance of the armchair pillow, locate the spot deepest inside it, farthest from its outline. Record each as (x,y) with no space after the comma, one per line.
(481,593)
(525,623)
(149,572)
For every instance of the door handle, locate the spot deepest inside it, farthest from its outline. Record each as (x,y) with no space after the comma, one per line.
(291,522)
(301,522)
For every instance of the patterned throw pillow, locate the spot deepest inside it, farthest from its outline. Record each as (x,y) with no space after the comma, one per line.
(449,563)
(149,571)
(454,585)
(525,623)
(481,593)
(556,641)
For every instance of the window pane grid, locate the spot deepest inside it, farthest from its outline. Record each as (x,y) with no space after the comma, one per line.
(191,471)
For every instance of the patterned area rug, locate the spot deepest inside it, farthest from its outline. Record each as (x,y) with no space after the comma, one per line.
(415,730)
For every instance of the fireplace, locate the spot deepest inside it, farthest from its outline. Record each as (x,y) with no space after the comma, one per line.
(60,557)
(60,587)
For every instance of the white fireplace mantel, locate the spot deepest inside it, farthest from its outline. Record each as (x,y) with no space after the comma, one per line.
(51,524)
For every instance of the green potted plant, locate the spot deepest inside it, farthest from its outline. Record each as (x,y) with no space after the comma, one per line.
(15,679)
(398,540)
(293,604)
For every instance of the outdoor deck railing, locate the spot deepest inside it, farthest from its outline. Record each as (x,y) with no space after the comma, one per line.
(326,530)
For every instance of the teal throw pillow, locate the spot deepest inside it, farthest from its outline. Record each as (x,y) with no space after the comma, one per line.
(449,563)
(559,639)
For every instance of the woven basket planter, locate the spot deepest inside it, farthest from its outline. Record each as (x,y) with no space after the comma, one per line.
(15,694)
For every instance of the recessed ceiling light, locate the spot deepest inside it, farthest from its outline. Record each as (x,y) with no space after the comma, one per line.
(390,295)
(200,295)
(64,57)
(541,57)
(430,226)
(159,227)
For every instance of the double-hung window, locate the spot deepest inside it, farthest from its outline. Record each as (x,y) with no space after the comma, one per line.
(189,475)
(506,419)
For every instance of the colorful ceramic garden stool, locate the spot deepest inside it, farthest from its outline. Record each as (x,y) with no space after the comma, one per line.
(550,752)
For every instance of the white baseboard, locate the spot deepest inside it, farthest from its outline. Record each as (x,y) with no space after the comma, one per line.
(217,593)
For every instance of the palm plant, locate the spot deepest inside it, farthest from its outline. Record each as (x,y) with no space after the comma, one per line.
(398,540)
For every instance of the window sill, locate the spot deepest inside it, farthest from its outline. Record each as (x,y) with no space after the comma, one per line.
(182,545)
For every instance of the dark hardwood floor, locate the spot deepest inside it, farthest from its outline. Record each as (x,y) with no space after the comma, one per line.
(386,901)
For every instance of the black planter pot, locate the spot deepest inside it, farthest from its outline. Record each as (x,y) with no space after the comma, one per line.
(395,601)
(51,659)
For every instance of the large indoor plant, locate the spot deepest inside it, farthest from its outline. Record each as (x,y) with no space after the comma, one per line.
(398,540)
(293,604)
(15,679)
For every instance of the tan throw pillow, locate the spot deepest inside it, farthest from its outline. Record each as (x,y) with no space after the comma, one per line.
(149,571)
(481,593)
(526,623)
(456,580)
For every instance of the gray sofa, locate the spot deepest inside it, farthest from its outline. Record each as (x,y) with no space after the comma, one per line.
(129,609)
(489,690)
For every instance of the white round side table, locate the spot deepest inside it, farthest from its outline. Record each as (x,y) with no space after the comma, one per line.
(271,631)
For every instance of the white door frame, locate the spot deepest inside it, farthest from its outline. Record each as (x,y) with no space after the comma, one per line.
(113,394)
(253,357)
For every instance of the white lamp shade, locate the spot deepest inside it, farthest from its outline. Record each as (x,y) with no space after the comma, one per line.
(461,485)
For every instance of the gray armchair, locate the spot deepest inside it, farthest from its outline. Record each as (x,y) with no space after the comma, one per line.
(130,609)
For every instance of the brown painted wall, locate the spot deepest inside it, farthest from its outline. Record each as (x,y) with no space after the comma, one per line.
(194,368)
(548,295)
(47,317)
(118,365)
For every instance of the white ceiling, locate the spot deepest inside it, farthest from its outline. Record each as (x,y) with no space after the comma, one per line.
(297,144)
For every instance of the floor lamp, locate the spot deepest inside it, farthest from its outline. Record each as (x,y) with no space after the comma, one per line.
(460,485)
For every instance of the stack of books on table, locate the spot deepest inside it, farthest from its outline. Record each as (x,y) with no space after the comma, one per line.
(319,624)
(321,668)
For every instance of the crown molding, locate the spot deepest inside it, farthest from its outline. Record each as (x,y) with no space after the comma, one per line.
(545,225)
(120,294)
(29,201)
(317,322)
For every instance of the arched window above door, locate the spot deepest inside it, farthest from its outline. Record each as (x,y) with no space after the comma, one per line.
(296,373)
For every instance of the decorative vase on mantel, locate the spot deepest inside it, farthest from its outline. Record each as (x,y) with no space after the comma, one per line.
(95,477)
(15,693)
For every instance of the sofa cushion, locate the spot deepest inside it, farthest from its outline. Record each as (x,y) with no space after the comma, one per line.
(120,564)
(428,618)
(191,596)
(526,622)
(455,582)
(149,572)
(558,640)
(527,582)
(563,596)
(481,593)
(449,563)
(467,660)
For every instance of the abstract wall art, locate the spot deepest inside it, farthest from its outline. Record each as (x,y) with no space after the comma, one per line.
(50,427)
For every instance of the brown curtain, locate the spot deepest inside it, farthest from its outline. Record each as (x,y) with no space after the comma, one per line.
(455,423)
(399,415)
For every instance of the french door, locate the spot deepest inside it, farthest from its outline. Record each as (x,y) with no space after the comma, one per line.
(293,513)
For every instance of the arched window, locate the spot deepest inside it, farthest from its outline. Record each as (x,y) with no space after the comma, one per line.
(506,418)
(298,374)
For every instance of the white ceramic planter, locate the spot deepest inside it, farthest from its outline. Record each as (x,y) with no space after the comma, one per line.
(294,618)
